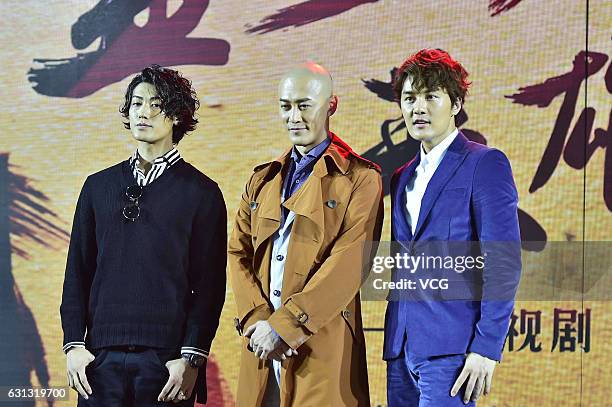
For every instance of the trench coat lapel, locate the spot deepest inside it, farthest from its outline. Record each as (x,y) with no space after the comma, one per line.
(308,229)
(308,205)
(307,234)
(269,212)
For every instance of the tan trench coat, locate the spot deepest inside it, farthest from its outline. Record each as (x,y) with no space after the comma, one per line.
(338,209)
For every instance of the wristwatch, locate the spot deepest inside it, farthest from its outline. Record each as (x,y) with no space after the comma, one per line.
(194,360)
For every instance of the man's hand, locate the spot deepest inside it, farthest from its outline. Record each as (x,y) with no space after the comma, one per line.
(266,343)
(478,370)
(77,360)
(282,352)
(180,383)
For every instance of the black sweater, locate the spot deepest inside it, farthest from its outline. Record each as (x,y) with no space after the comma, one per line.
(158,281)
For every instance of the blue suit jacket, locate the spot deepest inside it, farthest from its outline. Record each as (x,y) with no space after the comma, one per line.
(471,197)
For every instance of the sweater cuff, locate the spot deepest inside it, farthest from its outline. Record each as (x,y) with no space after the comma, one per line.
(194,351)
(71,345)
(197,339)
(73,333)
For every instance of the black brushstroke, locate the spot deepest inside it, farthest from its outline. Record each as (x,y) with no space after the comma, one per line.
(24,214)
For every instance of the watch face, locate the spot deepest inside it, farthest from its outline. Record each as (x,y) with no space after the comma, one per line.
(194,360)
(197,361)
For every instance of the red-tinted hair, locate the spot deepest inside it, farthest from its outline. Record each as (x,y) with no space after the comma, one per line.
(433,69)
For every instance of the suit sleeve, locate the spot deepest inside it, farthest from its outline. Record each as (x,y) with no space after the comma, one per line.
(207,273)
(495,206)
(250,299)
(80,269)
(340,276)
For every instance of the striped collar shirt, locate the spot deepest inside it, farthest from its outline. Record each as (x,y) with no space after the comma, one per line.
(160,164)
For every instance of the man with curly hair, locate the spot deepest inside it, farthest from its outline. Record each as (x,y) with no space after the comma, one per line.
(442,345)
(145,275)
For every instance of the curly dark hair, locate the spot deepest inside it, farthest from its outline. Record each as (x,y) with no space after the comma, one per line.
(433,69)
(178,98)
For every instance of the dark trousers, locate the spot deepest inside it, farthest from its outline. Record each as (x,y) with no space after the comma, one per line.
(424,382)
(129,377)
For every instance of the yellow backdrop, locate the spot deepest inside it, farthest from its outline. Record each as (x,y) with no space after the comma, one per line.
(63,82)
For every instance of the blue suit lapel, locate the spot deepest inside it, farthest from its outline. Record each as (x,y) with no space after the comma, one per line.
(400,225)
(452,159)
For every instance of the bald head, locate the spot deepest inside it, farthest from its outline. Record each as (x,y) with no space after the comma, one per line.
(306,103)
(313,76)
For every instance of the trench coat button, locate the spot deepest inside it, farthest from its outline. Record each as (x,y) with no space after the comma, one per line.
(276,293)
(346,313)
(253,205)
(331,203)
(280,257)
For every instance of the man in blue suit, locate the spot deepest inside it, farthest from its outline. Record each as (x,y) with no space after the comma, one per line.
(441,346)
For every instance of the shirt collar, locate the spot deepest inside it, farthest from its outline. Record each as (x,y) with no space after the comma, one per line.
(170,157)
(314,152)
(437,153)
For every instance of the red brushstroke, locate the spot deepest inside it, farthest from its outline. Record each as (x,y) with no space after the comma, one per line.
(499,6)
(162,41)
(305,13)
(542,94)
(125,48)
(578,144)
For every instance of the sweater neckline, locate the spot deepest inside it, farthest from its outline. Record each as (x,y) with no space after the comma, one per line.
(129,179)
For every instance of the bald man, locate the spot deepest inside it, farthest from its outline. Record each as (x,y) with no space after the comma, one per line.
(297,257)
